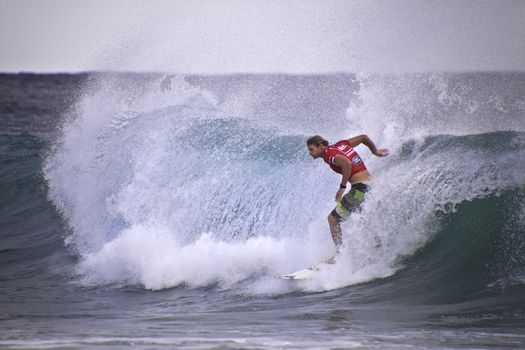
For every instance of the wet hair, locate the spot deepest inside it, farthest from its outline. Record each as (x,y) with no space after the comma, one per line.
(316,140)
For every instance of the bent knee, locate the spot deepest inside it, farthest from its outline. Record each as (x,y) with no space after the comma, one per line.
(332,219)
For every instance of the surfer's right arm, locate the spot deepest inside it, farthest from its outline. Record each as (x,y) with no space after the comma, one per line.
(364,139)
(346,168)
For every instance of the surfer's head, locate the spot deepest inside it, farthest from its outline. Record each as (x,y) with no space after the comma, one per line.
(316,145)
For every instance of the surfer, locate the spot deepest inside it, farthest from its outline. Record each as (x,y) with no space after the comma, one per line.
(343,159)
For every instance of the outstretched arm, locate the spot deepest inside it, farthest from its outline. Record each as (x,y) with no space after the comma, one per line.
(364,139)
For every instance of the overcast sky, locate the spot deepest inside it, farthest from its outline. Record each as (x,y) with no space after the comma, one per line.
(262,36)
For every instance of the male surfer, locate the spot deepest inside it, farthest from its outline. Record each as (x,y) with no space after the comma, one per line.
(343,159)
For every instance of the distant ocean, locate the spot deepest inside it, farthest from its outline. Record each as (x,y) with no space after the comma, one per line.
(150,211)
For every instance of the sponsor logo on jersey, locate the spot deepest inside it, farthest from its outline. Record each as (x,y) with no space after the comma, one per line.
(345,149)
(356,160)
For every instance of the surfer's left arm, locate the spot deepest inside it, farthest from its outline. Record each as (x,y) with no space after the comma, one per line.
(367,141)
(346,167)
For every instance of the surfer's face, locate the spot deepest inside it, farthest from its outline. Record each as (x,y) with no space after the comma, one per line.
(315,151)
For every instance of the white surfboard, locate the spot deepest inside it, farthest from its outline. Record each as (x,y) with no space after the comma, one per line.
(305,273)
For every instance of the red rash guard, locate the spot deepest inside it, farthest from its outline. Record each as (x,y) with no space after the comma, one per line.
(343,148)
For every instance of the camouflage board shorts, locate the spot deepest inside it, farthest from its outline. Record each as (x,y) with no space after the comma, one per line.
(350,202)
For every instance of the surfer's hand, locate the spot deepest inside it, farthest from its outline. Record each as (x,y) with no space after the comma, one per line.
(383,152)
(339,195)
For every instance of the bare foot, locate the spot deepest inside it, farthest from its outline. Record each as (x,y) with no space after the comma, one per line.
(330,260)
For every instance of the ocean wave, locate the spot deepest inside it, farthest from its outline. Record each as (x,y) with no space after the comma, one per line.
(161,188)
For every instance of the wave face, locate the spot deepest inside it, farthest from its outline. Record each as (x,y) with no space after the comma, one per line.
(168,181)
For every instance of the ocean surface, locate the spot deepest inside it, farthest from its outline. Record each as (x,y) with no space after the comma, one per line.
(151,211)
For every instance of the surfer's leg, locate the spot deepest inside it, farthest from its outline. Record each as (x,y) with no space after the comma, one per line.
(350,203)
(335,230)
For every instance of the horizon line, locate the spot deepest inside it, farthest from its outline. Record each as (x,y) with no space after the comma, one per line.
(291,73)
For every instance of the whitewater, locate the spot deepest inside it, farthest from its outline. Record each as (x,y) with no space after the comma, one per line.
(159,210)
